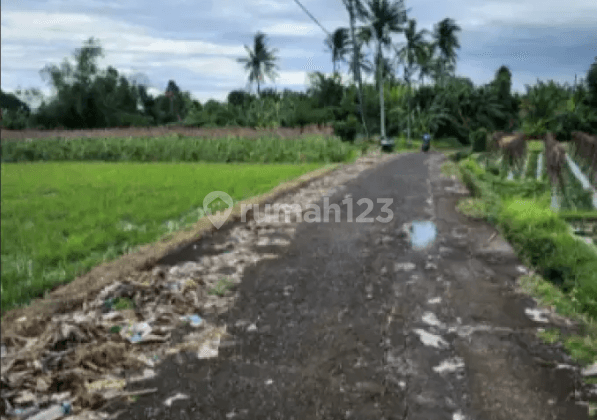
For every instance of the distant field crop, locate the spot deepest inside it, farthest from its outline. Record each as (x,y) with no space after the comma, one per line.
(61,219)
(177,148)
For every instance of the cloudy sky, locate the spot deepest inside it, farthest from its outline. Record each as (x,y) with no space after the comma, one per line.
(196,42)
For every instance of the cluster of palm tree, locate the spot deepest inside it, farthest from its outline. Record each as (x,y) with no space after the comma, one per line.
(373,23)
(379,21)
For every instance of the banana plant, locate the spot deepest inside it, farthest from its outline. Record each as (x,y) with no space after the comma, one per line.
(428,120)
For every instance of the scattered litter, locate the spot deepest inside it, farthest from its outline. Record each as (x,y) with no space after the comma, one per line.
(404,266)
(86,347)
(147,374)
(55,412)
(23,412)
(450,365)
(195,320)
(434,301)
(63,396)
(109,384)
(429,339)
(209,349)
(430,266)
(537,315)
(269,382)
(241,323)
(565,366)
(145,360)
(590,370)
(386,239)
(429,318)
(522,269)
(176,397)
(444,250)
(136,393)
(136,333)
(25,397)
(458,416)
(491,238)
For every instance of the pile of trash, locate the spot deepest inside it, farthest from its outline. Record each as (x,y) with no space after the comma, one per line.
(81,358)
(76,362)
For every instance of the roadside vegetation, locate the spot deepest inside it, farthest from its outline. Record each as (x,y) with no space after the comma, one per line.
(60,219)
(548,217)
(69,204)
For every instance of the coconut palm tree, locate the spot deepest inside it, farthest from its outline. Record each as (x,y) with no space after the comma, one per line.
(426,60)
(365,36)
(383,18)
(338,44)
(444,35)
(363,62)
(355,8)
(260,62)
(409,54)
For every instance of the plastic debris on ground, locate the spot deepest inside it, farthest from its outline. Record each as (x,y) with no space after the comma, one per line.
(195,320)
(84,352)
(176,397)
(54,412)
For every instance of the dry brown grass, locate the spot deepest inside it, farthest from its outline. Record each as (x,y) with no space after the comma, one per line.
(555,158)
(210,133)
(585,147)
(512,145)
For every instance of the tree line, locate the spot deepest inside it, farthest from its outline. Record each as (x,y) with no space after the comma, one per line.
(427,97)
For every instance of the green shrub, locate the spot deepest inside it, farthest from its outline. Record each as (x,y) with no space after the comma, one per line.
(347,130)
(479,140)
(134,120)
(14,119)
(181,149)
(544,239)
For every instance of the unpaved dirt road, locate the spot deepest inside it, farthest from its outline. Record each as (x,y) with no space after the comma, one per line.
(351,322)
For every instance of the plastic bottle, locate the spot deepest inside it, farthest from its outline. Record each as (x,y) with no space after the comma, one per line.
(55,412)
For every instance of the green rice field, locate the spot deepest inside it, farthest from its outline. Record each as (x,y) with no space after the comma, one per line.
(59,219)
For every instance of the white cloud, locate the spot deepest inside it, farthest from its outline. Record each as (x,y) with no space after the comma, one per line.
(114,35)
(292,78)
(493,30)
(544,13)
(218,67)
(292,28)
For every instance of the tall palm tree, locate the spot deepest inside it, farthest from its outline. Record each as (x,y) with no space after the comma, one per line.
(365,65)
(365,36)
(411,50)
(426,61)
(383,18)
(447,42)
(338,44)
(260,62)
(355,9)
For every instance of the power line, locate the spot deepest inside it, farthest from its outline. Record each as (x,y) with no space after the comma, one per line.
(312,17)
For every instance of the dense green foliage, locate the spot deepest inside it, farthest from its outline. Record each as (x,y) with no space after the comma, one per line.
(539,235)
(452,106)
(181,149)
(61,219)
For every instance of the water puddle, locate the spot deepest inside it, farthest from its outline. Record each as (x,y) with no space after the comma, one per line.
(423,233)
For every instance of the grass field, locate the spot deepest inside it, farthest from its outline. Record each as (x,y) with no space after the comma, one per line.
(61,219)
(176,148)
